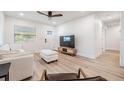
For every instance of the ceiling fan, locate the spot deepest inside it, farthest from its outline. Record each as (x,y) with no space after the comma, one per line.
(50,14)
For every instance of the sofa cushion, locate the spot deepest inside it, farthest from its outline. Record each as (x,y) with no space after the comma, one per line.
(62,76)
(5,47)
(15,46)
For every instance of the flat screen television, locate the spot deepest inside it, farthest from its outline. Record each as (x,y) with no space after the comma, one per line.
(67,41)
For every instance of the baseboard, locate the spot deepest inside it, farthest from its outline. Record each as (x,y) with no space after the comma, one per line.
(112,50)
(87,55)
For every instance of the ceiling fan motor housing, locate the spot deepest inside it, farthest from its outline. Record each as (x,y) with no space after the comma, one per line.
(50,13)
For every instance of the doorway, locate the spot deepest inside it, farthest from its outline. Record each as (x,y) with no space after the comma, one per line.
(109,36)
(48,39)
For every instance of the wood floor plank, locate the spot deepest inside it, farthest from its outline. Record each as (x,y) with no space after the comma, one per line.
(106,65)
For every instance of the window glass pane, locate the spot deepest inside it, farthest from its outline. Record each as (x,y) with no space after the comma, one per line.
(49,32)
(23,34)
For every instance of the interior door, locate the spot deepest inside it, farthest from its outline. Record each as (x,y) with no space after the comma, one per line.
(48,39)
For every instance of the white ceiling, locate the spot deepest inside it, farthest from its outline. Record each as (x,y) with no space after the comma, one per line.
(34,16)
(67,16)
(111,17)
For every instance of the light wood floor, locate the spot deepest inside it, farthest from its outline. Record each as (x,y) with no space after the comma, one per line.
(106,65)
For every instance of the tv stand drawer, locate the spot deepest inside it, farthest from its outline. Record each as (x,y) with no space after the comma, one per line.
(67,50)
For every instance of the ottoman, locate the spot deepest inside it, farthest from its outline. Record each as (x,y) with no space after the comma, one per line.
(49,55)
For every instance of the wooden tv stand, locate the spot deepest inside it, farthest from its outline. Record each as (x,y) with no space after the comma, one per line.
(67,50)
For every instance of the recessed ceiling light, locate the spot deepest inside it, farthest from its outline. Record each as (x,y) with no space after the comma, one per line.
(54,22)
(21,14)
(110,17)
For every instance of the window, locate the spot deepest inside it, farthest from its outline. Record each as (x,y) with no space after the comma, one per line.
(49,32)
(23,34)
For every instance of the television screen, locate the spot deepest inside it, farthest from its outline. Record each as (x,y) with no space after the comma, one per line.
(67,41)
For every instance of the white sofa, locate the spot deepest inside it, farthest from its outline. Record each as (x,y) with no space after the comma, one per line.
(49,55)
(21,66)
(10,49)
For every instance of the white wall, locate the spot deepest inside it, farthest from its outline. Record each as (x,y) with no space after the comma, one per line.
(113,38)
(1,27)
(122,41)
(99,36)
(41,33)
(84,30)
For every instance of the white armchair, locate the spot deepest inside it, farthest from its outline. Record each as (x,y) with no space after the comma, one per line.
(21,67)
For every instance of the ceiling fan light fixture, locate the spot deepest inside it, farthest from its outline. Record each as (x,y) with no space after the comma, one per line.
(54,22)
(21,14)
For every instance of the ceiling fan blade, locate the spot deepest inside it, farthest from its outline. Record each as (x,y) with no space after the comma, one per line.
(42,13)
(57,15)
